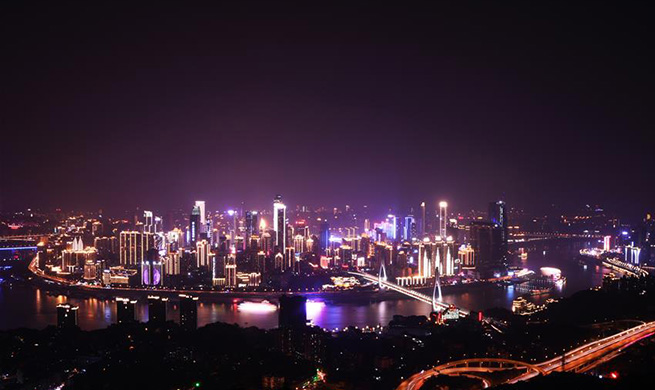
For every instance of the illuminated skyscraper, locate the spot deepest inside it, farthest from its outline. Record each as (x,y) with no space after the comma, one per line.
(203,252)
(422,232)
(148,225)
(133,247)
(195,221)
(152,269)
(200,204)
(409,228)
(498,216)
(280,222)
(231,269)
(443,218)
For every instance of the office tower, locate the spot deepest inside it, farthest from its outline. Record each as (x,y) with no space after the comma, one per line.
(66,316)
(203,252)
(200,204)
(324,236)
(90,270)
(252,223)
(188,312)
(172,263)
(148,224)
(486,241)
(125,310)
(443,218)
(498,216)
(260,265)
(466,256)
(156,310)
(409,228)
(423,216)
(280,222)
(158,226)
(231,269)
(293,311)
(133,247)
(299,243)
(194,226)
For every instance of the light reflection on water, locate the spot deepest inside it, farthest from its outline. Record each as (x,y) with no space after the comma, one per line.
(34,308)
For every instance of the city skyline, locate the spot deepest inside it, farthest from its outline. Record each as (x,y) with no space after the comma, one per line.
(326,195)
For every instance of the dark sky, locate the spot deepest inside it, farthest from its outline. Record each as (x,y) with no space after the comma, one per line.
(154,106)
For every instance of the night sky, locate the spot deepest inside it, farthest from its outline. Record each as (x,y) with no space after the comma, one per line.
(154,106)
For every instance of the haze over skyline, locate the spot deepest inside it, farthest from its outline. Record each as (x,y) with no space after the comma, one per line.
(114,108)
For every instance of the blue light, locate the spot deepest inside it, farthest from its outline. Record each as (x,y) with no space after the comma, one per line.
(18,248)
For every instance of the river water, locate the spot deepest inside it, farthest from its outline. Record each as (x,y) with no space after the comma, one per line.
(24,306)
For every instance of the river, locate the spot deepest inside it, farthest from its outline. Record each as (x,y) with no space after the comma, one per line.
(31,307)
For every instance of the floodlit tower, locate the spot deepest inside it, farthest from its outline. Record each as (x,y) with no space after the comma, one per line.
(280,222)
(422,218)
(200,204)
(443,218)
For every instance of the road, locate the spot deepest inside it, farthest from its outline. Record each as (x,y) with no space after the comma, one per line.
(579,359)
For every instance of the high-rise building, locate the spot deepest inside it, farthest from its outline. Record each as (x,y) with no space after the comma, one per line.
(443,218)
(498,216)
(149,223)
(423,216)
(66,316)
(409,228)
(486,241)
(280,223)
(203,252)
(125,310)
(195,223)
(157,309)
(133,247)
(152,269)
(231,269)
(188,312)
(200,204)
(324,236)
(466,256)
(252,224)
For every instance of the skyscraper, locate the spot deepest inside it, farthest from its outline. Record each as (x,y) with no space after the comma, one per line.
(422,232)
(280,222)
(195,221)
(203,252)
(188,312)
(125,310)
(498,216)
(200,204)
(324,236)
(443,219)
(133,247)
(148,225)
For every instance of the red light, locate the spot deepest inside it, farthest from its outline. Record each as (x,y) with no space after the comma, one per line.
(480,316)
(614,375)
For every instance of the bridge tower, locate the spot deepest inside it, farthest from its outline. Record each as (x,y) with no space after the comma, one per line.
(436,291)
(382,276)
